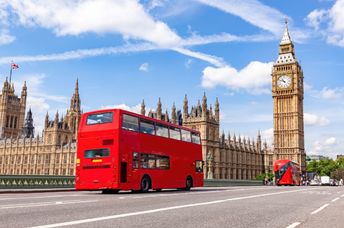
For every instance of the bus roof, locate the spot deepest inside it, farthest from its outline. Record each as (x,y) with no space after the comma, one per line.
(140,116)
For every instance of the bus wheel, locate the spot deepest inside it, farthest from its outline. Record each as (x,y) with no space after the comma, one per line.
(188,183)
(145,184)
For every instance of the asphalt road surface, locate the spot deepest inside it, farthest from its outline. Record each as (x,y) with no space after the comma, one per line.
(261,206)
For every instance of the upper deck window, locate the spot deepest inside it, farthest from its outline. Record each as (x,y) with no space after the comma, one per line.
(186,136)
(174,133)
(130,123)
(147,127)
(99,118)
(195,138)
(162,130)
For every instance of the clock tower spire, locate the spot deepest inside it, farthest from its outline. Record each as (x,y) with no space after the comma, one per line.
(288,94)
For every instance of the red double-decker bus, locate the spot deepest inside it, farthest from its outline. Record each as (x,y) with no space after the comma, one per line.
(121,150)
(287,172)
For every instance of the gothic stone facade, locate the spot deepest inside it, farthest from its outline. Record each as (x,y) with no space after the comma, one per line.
(224,157)
(21,153)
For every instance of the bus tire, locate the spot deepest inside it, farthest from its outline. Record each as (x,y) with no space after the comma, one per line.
(145,183)
(188,183)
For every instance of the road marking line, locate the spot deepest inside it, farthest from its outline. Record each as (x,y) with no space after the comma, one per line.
(38,197)
(12,206)
(334,200)
(342,195)
(295,224)
(162,209)
(320,208)
(187,193)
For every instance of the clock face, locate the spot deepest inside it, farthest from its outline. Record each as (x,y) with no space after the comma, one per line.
(284,81)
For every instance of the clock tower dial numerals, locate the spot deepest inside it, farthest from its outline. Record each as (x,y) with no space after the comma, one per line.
(284,82)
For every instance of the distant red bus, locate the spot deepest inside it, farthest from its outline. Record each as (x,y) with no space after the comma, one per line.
(287,172)
(121,150)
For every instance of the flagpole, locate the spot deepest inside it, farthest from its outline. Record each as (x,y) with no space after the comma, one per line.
(11,74)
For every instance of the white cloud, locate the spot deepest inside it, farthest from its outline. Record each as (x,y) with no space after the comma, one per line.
(254,78)
(327,147)
(329,22)
(330,141)
(315,120)
(144,67)
(65,17)
(79,54)
(252,11)
(135,108)
(5,37)
(332,94)
(315,18)
(188,63)
(216,61)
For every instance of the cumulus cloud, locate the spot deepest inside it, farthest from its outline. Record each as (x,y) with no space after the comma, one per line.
(67,17)
(135,108)
(332,94)
(329,22)
(254,78)
(327,147)
(144,67)
(330,141)
(315,120)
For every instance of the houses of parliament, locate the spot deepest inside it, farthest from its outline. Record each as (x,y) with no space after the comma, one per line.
(225,156)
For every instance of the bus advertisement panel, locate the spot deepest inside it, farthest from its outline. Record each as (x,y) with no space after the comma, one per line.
(121,150)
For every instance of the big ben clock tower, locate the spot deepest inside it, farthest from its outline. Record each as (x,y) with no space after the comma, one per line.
(287,94)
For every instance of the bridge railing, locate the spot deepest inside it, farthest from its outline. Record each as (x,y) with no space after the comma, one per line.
(35,181)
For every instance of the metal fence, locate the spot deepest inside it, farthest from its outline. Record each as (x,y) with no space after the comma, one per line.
(35,181)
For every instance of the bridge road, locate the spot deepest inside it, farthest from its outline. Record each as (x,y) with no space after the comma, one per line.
(263,206)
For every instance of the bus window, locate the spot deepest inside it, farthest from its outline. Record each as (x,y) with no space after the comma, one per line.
(99,118)
(162,162)
(161,130)
(147,127)
(195,138)
(174,133)
(96,153)
(135,160)
(186,136)
(130,123)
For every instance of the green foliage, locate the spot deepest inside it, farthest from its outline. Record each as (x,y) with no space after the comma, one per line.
(262,176)
(327,167)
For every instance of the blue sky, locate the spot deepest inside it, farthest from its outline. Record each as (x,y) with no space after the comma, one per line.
(124,51)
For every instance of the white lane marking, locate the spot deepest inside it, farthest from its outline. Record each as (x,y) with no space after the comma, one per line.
(334,200)
(12,206)
(320,209)
(342,195)
(295,224)
(187,193)
(161,209)
(38,197)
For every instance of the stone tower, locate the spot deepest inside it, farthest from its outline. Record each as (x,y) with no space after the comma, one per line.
(28,129)
(62,130)
(287,94)
(12,111)
(74,112)
(204,120)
